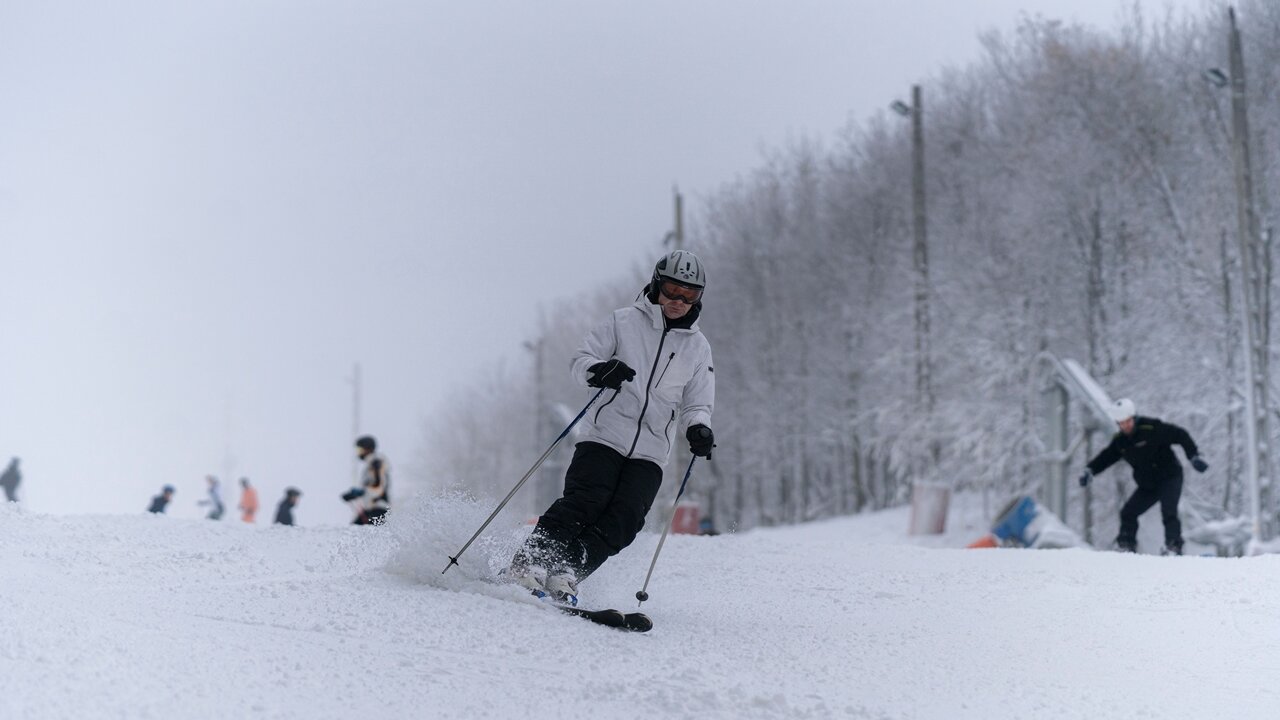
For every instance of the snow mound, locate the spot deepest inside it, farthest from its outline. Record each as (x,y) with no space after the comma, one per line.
(155,617)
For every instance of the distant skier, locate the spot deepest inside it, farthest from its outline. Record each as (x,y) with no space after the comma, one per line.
(216,508)
(161,501)
(10,480)
(657,365)
(248,501)
(1146,444)
(371,500)
(284,511)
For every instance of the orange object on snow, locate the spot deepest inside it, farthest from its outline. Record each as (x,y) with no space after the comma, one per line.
(986,541)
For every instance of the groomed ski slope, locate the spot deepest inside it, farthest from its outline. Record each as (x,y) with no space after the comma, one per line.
(155,617)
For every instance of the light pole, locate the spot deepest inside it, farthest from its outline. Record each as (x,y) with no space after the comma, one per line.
(1254,264)
(920,247)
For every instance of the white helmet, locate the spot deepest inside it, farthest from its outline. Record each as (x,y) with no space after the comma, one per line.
(682,267)
(1122,409)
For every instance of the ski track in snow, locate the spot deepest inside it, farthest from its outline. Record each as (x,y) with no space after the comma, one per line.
(154,617)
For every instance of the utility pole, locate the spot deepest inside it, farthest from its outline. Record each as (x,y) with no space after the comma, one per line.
(920,248)
(676,236)
(1253,266)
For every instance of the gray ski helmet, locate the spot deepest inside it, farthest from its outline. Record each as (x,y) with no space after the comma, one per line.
(681,267)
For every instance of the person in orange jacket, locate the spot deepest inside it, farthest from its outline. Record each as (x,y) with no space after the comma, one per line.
(248,501)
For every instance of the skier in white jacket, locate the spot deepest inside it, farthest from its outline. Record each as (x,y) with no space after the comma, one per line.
(656,366)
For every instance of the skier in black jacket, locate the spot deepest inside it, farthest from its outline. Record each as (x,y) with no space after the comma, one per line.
(161,501)
(1147,445)
(10,480)
(284,511)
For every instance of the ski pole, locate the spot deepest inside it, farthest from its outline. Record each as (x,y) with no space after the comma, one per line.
(643,594)
(453,559)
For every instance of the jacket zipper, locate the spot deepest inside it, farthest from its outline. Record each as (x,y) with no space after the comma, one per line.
(666,367)
(644,408)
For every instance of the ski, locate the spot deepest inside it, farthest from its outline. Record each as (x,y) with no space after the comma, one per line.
(631,622)
(616,619)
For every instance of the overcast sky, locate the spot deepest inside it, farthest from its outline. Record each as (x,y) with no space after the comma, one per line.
(209,212)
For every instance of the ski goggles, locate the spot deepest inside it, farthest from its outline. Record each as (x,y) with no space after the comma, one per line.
(676,291)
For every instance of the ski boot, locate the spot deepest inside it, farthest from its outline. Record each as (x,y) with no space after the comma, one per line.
(532,577)
(562,587)
(1174,548)
(1126,545)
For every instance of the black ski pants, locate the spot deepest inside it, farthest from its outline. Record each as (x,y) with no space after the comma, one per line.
(1167,492)
(606,497)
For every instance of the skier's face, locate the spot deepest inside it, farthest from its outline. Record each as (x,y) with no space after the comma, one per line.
(676,300)
(1126,426)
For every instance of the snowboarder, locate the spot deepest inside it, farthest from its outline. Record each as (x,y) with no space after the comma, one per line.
(248,501)
(371,501)
(657,365)
(10,480)
(284,511)
(1146,444)
(161,501)
(214,502)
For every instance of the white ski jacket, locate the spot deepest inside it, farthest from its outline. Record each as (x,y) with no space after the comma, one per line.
(674,377)
(376,480)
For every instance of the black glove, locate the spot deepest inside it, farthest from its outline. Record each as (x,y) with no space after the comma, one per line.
(1199,464)
(701,440)
(352,494)
(609,374)
(1085,477)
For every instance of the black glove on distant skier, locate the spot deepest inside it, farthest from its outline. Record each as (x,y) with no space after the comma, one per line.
(1199,464)
(352,494)
(1085,477)
(610,374)
(701,440)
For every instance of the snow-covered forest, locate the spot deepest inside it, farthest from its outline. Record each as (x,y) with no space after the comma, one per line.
(1081,200)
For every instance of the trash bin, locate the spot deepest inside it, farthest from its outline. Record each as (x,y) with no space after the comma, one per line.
(929,502)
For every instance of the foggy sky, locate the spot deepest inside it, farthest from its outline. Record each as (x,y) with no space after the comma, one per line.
(210,211)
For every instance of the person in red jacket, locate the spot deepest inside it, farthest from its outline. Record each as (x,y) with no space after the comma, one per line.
(248,501)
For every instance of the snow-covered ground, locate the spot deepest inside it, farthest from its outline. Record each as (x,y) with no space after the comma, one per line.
(156,617)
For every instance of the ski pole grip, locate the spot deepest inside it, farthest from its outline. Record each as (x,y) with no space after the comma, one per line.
(704,432)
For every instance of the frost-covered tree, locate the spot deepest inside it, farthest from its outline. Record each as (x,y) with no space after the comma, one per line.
(1081,201)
